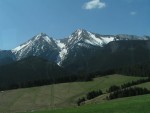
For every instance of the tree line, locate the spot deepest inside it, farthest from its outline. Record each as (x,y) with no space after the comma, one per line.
(90,95)
(48,81)
(128,84)
(135,70)
(140,69)
(127,92)
(126,89)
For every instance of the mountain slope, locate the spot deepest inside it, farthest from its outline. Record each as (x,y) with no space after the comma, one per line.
(83,44)
(82,39)
(6,57)
(31,71)
(113,55)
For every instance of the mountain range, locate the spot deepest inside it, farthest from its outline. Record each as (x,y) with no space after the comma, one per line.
(81,53)
(58,51)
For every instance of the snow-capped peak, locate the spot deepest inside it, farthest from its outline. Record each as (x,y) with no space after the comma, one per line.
(37,46)
(87,37)
(79,32)
(35,39)
(43,36)
(76,36)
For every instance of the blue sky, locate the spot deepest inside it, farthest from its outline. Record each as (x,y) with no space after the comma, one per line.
(20,20)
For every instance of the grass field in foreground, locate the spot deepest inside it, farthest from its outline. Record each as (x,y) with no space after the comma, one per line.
(60,95)
(136,104)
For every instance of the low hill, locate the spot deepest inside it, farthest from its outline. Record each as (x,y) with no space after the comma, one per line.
(57,95)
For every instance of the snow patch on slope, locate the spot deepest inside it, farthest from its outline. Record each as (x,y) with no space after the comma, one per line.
(95,40)
(21,47)
(107,39)
(63,52)
(88,38)
(47,39)
(79,32)
(44,36)
(99,41)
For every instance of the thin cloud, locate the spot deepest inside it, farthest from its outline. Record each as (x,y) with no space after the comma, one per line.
(133,13)
(94,4)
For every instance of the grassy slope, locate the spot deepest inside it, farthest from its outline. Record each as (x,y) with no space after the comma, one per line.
(144,85)
(136,104)
(60,95)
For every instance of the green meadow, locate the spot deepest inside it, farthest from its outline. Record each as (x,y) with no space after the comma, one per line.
(64,95)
